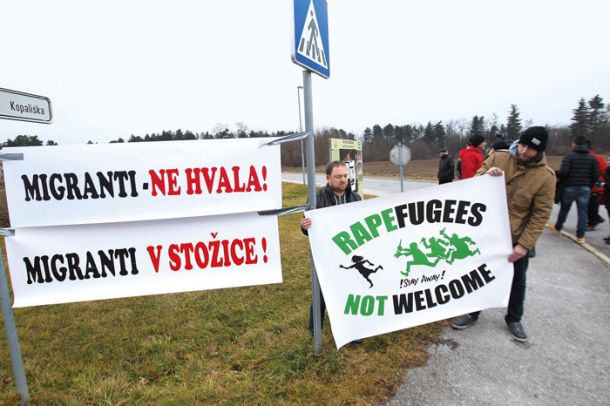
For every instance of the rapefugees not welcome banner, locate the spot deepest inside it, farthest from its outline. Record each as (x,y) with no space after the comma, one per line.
(404,260)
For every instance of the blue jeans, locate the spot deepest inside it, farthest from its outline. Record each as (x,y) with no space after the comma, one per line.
(571,193)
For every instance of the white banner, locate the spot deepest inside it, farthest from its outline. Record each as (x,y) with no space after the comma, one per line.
(88,262)
(404,260)
(85,184)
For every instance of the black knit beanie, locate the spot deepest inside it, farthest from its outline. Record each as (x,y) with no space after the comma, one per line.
(476,140)
(535,137)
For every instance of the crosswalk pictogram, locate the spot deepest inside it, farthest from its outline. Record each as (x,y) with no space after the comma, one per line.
(310,44)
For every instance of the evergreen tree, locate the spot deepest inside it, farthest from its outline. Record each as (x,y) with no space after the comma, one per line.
(429,134)
(400,134)
(368,135)
(440,135)
(388,131)
(23,141)
(598,117)
(135,138)
(493,132)
(409,134)
(493,127)
(513,125)
(477,126)
(188,135)
(580,125)
(377,132)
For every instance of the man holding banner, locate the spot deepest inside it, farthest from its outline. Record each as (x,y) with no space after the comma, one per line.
(530,188)
(337,191)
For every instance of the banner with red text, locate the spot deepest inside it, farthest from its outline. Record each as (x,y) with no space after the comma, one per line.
(65,264)
(399,261)
(85,184)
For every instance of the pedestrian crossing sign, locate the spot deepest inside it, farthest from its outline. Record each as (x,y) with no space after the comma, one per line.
(310,47)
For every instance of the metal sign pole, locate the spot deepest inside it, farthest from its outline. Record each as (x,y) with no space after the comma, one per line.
(35,109)
(301,130)
(13,341)
(311,196)
(400,166)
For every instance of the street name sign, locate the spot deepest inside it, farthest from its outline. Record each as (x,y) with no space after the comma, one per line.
(310,47)
(21,106)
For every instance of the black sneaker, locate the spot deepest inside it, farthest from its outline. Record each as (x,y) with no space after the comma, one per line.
(516,329)
(462,322)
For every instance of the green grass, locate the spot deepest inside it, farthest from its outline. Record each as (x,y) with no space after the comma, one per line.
(231,346)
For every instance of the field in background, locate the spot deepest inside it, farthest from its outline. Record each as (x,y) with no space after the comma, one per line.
(421,169)
(235,346)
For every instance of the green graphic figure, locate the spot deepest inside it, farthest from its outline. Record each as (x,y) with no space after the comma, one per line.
(460,247)
(419,257)
(437,247)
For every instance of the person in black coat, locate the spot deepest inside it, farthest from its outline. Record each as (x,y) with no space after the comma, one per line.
(445,168)
(579,172)
(337,191)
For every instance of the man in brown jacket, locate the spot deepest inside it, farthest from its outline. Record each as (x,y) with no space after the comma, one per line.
(530,189)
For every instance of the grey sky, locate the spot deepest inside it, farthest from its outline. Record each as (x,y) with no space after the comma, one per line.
(116,68)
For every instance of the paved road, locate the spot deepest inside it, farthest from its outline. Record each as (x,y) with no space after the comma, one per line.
(567,317)
(384,186)
(372,186)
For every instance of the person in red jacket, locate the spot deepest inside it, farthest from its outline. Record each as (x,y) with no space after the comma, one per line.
(472,156)
(596,193)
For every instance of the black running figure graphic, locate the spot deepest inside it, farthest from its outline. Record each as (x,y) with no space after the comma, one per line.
(359,264)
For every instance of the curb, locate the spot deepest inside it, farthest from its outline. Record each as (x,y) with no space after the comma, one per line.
(602,257)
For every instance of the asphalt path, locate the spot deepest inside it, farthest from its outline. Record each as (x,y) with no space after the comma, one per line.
(567,358)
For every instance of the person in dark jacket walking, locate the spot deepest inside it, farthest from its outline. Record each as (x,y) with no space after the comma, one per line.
(445,168)
(337,191)
(579,172)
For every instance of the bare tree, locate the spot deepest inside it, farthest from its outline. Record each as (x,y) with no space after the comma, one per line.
(242,129)
(221,130)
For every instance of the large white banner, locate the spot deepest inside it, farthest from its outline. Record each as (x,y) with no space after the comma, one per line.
(88,262)
(85,184)
(404,260)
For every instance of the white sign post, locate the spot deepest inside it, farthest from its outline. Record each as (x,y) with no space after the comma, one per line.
(15,105)
(400,155)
